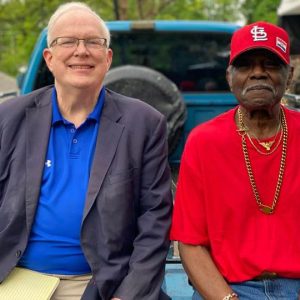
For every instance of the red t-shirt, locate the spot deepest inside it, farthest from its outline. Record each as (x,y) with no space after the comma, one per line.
(215,205)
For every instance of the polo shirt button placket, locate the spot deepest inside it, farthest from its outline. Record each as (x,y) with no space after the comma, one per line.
(18,253)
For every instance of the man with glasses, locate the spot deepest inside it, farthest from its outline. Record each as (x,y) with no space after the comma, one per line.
(84,178)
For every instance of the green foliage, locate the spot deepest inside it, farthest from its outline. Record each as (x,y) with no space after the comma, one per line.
(20,23)
(260,10)
(222,10)
(266,11)
(183,10)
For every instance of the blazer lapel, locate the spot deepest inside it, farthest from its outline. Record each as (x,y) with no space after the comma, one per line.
(107,141)
(38,123)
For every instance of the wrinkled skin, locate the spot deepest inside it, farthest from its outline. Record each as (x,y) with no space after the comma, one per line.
(258,78)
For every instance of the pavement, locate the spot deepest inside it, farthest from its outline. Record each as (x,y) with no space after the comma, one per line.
(8,84)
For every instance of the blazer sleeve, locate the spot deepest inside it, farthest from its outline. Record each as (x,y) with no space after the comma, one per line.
(151,245)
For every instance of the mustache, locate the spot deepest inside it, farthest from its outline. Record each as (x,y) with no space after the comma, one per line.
(258,87)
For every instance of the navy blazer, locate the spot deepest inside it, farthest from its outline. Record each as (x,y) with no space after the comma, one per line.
(127,213)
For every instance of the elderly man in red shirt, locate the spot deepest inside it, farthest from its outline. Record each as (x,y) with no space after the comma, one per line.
(237,203)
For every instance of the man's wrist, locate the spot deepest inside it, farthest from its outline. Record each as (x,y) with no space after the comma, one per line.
(231,296)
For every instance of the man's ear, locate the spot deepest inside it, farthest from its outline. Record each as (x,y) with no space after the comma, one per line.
(109,57)
(47,54)
(290,77)
(229,76)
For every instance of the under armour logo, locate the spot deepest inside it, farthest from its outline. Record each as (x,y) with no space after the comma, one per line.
(258,33)
(48,163)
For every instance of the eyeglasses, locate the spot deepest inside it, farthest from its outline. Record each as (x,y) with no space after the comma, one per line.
(72,42)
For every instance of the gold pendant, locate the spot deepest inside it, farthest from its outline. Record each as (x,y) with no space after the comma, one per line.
(267,145)
(266,209)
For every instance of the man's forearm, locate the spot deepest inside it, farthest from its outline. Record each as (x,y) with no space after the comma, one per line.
(203,273)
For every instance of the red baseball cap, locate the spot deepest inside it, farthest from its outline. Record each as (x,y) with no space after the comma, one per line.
(261,35)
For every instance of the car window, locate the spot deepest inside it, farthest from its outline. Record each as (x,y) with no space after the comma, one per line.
(195,61)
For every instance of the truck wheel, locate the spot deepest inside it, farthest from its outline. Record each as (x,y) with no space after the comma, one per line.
(155,89)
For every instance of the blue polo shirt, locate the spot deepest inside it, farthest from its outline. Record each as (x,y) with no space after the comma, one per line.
(54,243)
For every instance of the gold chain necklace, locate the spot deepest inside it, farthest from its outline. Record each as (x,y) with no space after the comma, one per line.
(268,144)
(266,209)
(270,151)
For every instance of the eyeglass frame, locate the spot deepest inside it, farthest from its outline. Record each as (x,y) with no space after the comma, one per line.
(54,42)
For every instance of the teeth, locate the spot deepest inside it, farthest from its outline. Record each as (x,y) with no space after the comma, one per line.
(80,67)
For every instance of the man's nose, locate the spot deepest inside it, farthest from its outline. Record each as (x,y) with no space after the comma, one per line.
(258,69)
(81,47)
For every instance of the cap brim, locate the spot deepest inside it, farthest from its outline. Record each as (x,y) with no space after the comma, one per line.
(282,58)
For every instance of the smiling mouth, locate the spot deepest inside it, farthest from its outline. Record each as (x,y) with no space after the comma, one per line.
(80,67)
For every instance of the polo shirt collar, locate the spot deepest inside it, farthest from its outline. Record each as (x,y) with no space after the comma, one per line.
(94,115)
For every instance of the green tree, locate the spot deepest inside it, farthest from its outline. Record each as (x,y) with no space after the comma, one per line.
(264,10)
(222,10)
(20,23)
(184,10)
(144,9)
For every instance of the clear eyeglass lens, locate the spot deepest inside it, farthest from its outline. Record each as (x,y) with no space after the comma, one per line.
(94,43)
(67,42)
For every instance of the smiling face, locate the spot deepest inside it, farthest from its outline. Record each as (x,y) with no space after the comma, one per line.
(78,67)
(258,79)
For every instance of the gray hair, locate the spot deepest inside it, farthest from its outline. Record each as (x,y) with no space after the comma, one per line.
(65,8)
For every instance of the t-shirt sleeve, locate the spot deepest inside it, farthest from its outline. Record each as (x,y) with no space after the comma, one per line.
(189,218)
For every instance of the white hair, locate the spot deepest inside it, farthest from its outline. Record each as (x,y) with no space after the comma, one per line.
(65,8)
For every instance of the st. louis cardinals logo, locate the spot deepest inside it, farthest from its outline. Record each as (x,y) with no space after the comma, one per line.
(258,34)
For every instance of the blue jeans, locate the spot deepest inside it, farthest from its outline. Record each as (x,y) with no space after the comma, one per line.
(268,289)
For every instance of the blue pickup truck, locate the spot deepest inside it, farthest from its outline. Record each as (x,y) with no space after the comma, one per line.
(176,66)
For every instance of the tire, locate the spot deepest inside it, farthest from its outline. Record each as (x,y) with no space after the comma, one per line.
(155,89)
